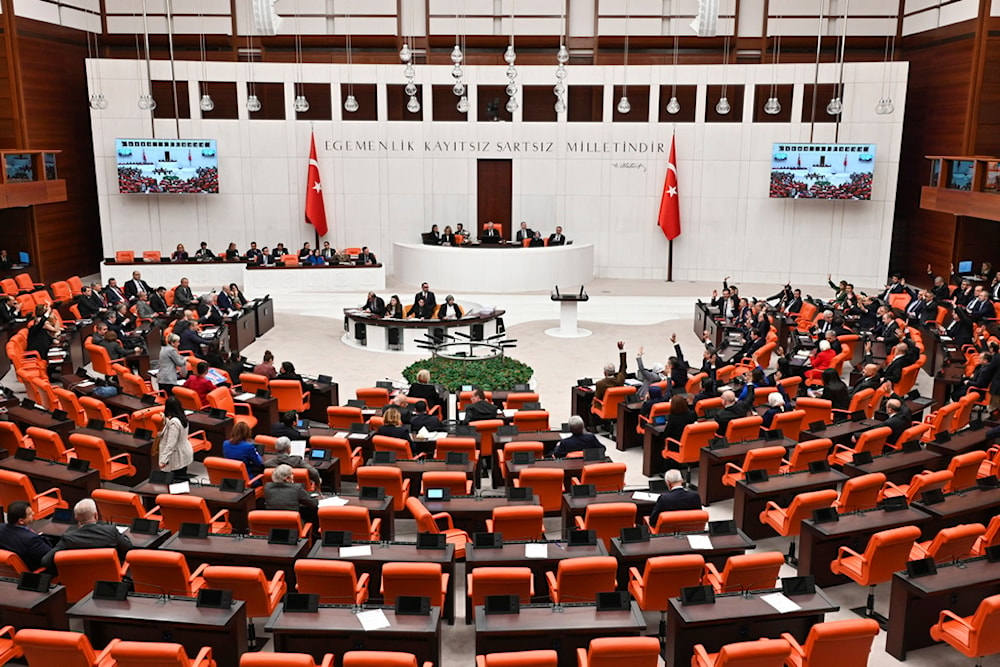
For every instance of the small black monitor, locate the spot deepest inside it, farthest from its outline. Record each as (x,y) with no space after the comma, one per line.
(692,595)
(144,526)
(519,493)
(993,553)
(62,515)
(932,497)
(583,491)
(214,598)
(825,515)
(757,476)
(371,493)
(521,387)
(435,541)
(523,458)
(976,425)
(356,403)
(724,527)
(819,466)
(319,454)
(564,427)
(262,393)
(384,457)
(857,416)
(282,536)
(161,477)
(359,428)
(593,454)
(487,540)
(27,403)
(634,534)
(324,379)
(142,434)
(217,413)
(147,399)
(718,442)
(78,465)
(861,458)
(657,485)
(384,384)
(300,603)
(942,437)
(59,415)
(817,426)
(894,504)
(95,424)
(35,582)
(502,604)
(457,458)
(194,530)
(773,435)
(465,429)
(612,601)
(507,431)
(920,567)
(911,446)
(336,538)
(25,454)
(798,585)
(232,485)
(584,382)
(439,495)
(413,605)
(582,538)
(531,405)
(110,590)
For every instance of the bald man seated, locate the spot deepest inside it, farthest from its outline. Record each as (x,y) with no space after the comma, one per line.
(88,534)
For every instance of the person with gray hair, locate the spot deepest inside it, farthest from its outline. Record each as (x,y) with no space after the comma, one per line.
(281,493)
(88,534)
(285,457)
(449,309)
(578,440)
(612,378)
(172,364)
(676,497)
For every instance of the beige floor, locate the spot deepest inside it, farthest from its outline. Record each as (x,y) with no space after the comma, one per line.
(309,328)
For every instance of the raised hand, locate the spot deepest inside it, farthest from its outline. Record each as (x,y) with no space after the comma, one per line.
(673,338)
(621,345)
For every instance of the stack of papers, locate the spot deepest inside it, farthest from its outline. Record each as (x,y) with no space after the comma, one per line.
(333,501)
(645,495)
(373,619)
(355,552)
(536,550)
(780,603)
(246,396)
(699,541)
(358,436)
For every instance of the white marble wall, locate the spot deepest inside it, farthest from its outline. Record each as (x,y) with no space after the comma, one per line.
(375,197)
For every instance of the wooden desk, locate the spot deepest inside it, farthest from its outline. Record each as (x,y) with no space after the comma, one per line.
(414,470)
(712,465)
(898,467)
(119,442)
(970,506)
(53,530)
(635,554)
(321,397)
(382,509)
(962,442)
(511,554)
(470,513)
(841,433)
(263,313)
(25,417)
(396,552)
(914,604)
(329,471)
(541,627)
(239,504)
(26,609)
(628,420)
(253,551)
(819,543)
(580,400)
(653,441)
(44,474)
(571,467)
(574,507)
(265,411)
(734,618)
(242,331)
(148,618)
(549,440)
(751,499)
(337,630)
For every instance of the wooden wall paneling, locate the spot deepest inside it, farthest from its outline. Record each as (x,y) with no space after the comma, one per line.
(272,101)
(976,239)
(539,105)
(494,179)
(987,140)
(585,104)
(367,96)
(488,96)
(445,105)
(8,135)
(823,93)
(396,101)
(320,106)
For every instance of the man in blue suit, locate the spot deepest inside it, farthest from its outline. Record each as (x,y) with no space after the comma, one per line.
(16,536)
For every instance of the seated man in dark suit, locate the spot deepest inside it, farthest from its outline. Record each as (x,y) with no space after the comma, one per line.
(209,313)
(420,419)
(557,238)
(491,234)
(537,241)
(89,304)
(183,296)
(899,419)
(136,286)
(676,497)
(283,447)
(480,409)
(374,305)
(733,409)
(88,534)
(366,258)
(16,536)
(524,233)
(283,493)
(423,388)
(286,427)
(578,441)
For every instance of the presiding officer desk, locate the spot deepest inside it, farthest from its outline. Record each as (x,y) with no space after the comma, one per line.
(493,268)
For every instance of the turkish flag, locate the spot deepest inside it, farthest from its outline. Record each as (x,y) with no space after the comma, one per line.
(315,210)
(669,219)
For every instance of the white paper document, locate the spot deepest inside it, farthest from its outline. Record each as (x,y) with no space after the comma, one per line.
(245,396)
(700,541)
(355,552)
(333,501)
(179,487)
(536,550)
(645,495)
(373,619)
(781,604)
(298,447)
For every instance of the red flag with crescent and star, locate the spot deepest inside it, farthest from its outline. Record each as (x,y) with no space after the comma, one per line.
(315,209)
(669,219)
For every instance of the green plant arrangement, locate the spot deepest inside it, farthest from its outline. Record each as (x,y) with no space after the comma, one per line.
(487,374)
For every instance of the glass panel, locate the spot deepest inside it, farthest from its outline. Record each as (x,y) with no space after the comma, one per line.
(50,166)
(19,168)
(935,173)
(960,174)
(992,183)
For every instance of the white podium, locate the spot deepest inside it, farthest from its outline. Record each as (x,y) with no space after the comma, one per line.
(568,316)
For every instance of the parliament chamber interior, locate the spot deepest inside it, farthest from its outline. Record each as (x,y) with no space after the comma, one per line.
(429,333)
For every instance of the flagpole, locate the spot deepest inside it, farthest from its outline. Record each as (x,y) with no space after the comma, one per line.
(312,138)
(670,261)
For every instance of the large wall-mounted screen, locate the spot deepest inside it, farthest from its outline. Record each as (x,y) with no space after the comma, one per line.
(822,171)
(167,166)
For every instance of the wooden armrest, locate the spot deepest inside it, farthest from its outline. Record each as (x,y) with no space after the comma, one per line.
(306,529)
